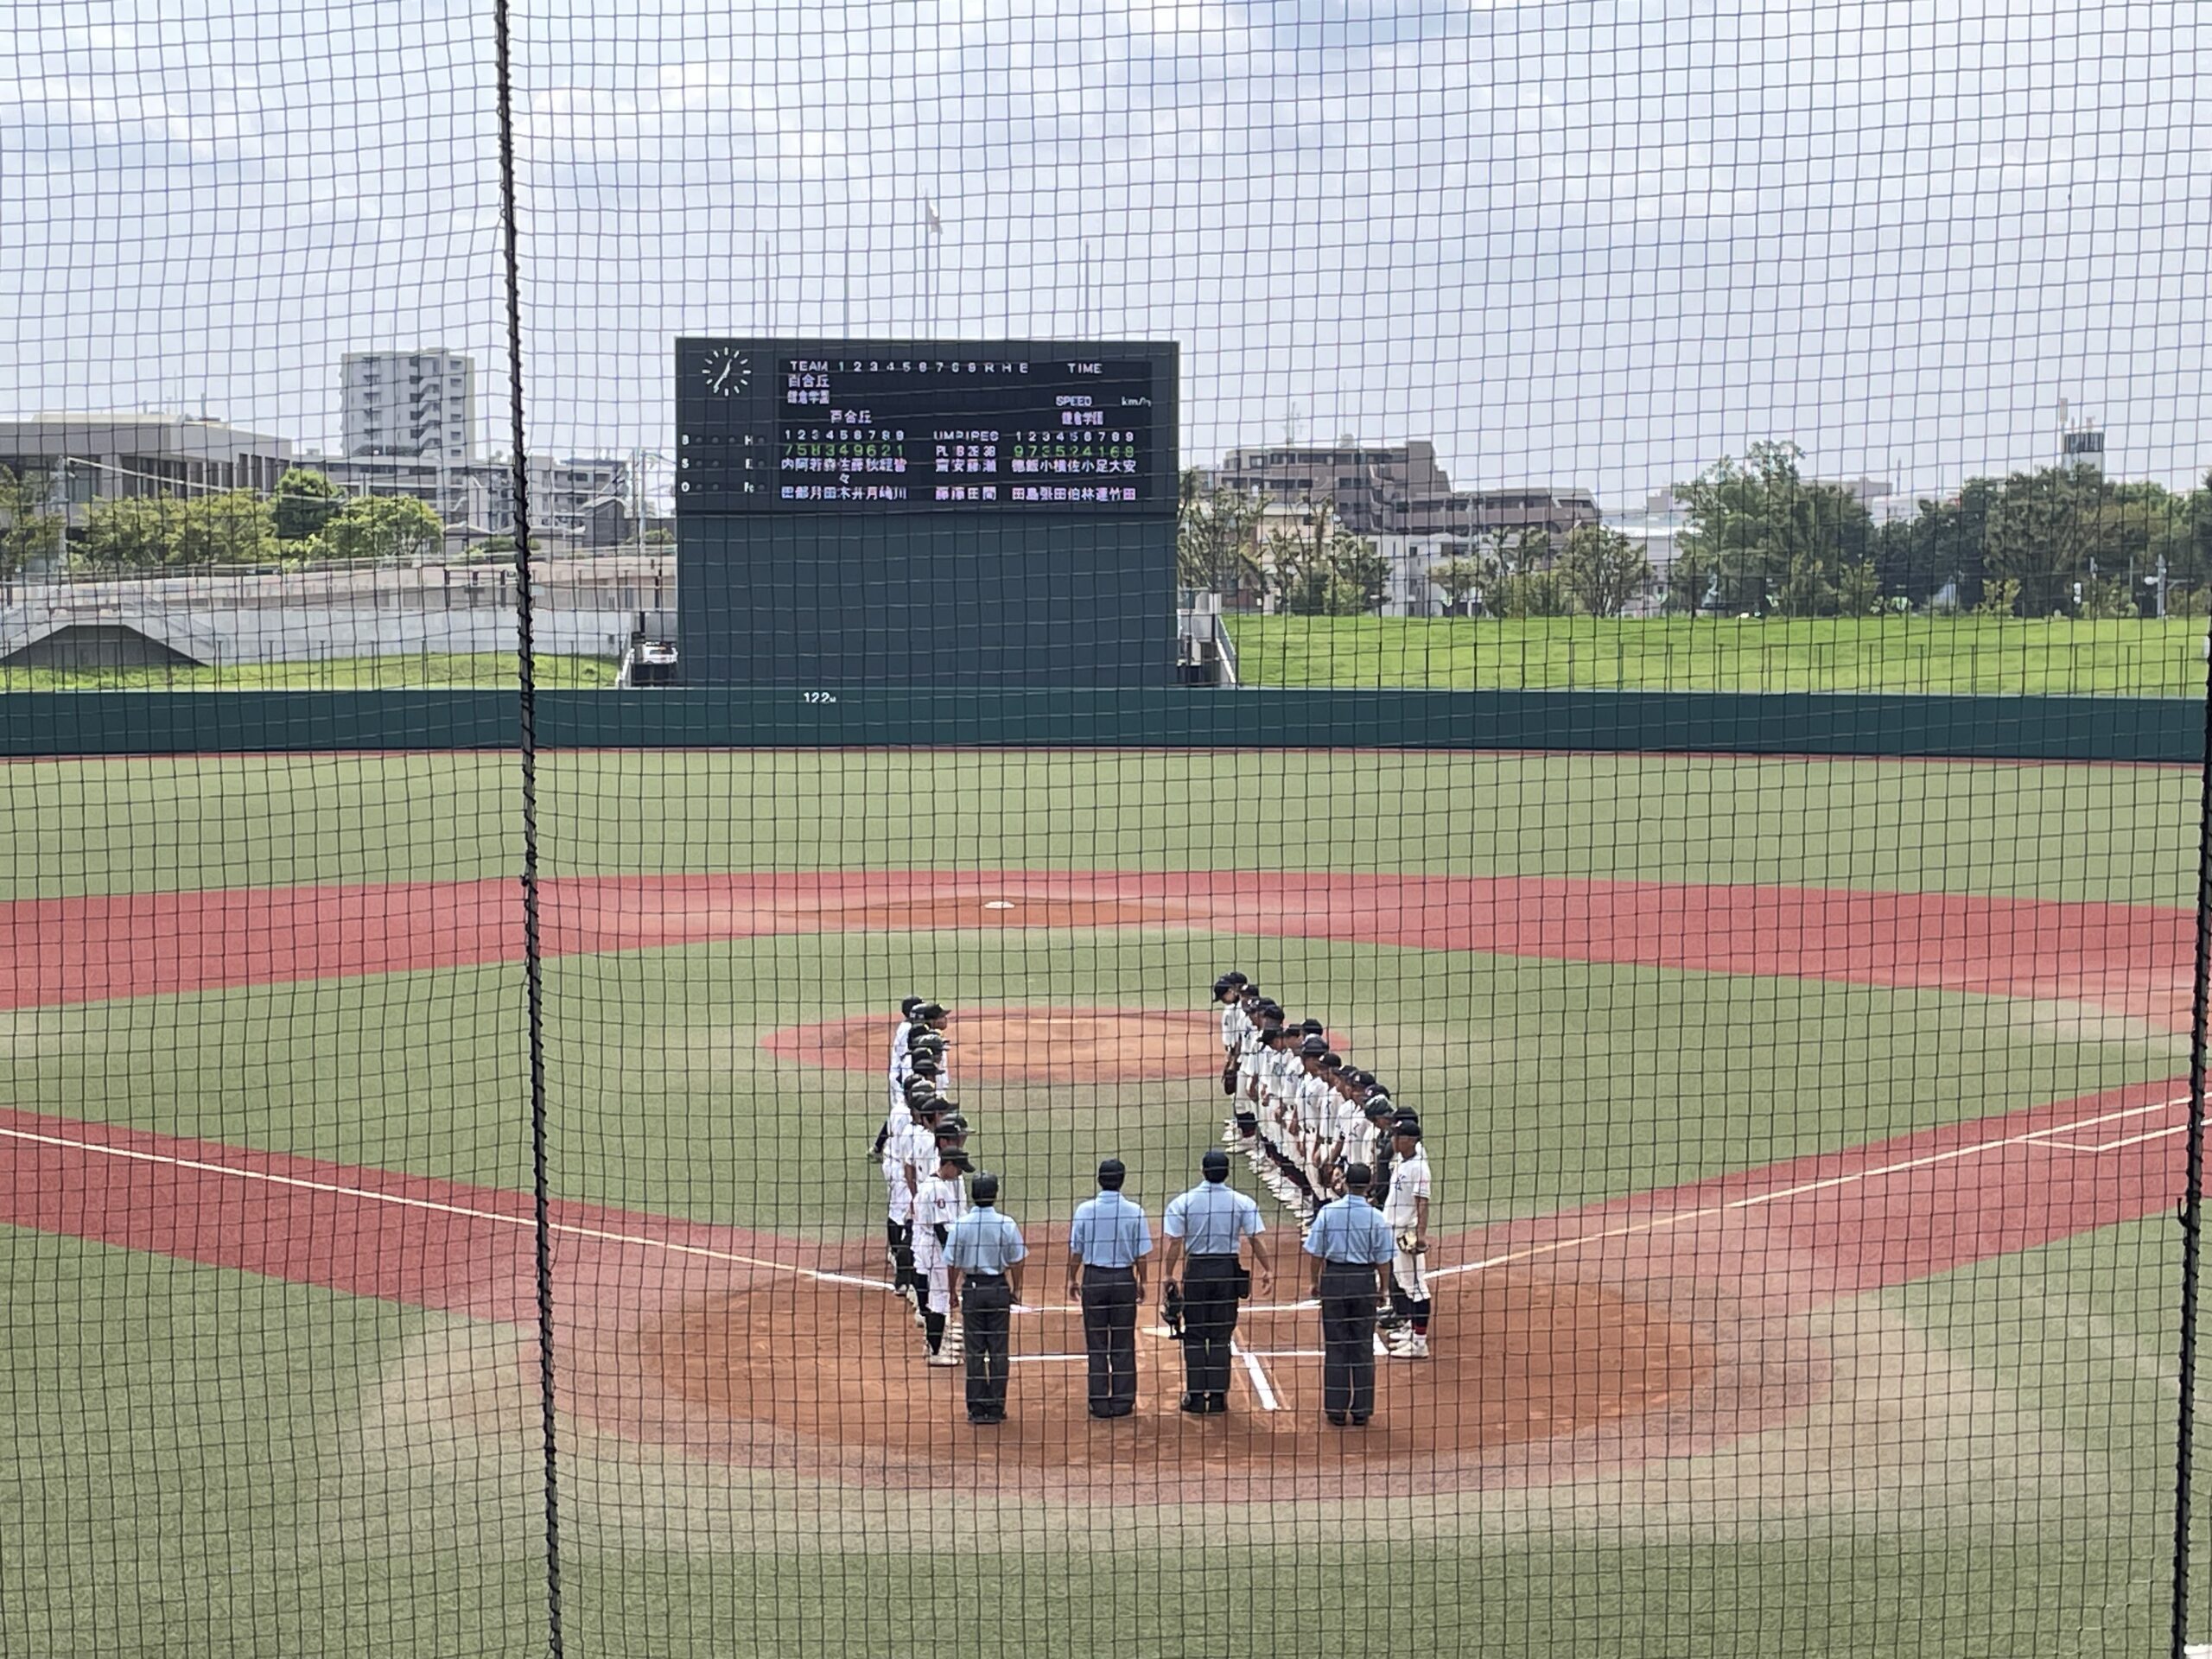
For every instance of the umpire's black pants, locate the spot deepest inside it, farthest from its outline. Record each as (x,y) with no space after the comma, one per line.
(1109,1336)
(986,1316)
(1209,1322)
(1348,1340)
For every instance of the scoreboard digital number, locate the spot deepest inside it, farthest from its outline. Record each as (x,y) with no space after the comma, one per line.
(830,427)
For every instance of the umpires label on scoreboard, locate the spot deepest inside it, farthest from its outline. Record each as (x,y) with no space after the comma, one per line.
(832,427)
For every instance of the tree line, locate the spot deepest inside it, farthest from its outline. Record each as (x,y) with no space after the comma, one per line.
(1759,539)
(307,520)
(1313,565)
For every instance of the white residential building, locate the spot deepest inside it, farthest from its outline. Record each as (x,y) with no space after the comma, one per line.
(418,404)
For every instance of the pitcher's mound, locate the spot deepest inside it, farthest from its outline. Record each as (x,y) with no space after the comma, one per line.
(1027,1046)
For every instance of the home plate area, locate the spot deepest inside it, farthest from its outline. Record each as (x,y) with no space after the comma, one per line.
(1535,1372)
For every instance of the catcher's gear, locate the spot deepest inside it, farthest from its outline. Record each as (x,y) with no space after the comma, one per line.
(1171,1310)
(1411,1244)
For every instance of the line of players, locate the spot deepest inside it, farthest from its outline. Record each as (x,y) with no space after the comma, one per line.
(1303,1117)
(923,1150)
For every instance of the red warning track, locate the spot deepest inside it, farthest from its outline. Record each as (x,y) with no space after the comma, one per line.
(2132,960)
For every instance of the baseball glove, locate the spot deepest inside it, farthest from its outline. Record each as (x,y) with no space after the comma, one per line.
(1170,1311)
(1411,1244)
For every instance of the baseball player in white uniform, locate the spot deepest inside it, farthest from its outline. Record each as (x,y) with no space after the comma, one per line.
(940,1201)
(1406,1213)
(1229,995)
(899,1038)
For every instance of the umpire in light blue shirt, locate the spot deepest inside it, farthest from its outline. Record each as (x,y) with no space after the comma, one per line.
(1107,1249)
(1210,1222)
(984,1251)
(1351,1248)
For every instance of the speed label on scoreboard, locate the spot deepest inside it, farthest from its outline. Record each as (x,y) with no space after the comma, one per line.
(809,427)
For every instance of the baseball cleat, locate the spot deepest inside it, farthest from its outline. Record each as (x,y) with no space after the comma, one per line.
(1410,1346)
(943,1358)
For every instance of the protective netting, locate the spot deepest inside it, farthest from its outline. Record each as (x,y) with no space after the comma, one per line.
(1621,590)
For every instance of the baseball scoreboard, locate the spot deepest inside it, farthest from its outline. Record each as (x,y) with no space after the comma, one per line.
(841,426)
(925,512)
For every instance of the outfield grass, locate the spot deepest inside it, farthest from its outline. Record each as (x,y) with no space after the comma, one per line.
(2125,834)
(492,669)
(180,1471)
(1908,653)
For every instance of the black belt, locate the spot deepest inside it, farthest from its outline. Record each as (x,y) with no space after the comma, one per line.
(986,1278)
(1349,1266)
(1088,1267)
(1213,1256)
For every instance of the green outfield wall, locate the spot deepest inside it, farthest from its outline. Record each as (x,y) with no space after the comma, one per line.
(1990,727)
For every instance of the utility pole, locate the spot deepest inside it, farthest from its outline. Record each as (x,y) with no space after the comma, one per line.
(2158,586)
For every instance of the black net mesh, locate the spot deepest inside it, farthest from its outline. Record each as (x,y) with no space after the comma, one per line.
(1592,617)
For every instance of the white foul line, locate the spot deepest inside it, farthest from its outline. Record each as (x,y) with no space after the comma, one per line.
(1258,1373)
(2032,1137)
(301,1184)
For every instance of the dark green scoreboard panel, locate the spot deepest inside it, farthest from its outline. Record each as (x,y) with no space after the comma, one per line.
(858,513)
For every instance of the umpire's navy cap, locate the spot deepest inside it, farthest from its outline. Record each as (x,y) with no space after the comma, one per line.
(986,1190)
(1112,1172)
(1357,1175)
(1214,1165)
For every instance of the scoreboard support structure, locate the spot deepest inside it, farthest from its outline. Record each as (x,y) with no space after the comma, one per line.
(928,512)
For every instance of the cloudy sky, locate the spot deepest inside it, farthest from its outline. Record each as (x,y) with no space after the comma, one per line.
(1582,244)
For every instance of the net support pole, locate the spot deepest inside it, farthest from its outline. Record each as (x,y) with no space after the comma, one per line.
(2192,1202)
(526,708)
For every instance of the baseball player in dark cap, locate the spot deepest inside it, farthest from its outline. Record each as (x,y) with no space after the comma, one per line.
(940,1201)
(1406,1210)
(900,1036)
(1228,995)
(1209,1223)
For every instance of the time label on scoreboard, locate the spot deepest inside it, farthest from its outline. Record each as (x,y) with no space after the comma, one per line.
(812,427)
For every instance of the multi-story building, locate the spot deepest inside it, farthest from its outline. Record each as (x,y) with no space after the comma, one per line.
(583,500)
(105,457)
(1399,496)
(402,404)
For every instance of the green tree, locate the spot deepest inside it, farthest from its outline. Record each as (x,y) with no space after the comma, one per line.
(1941,546)
(1766,539)
(1605,569)
(1531,593)
(305,501)
(136,532)
(2046,529)
(1458,578)
(1362,575)
(1297,558)
(2000,598)
(233,528)
(29,532)
(1857,589)
(382,529)
(1217,537)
